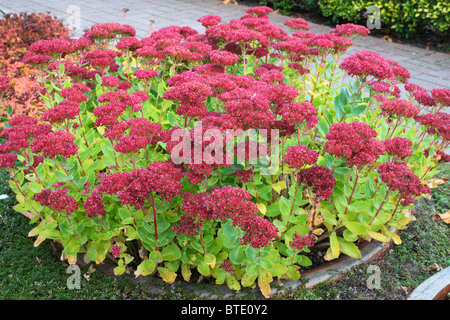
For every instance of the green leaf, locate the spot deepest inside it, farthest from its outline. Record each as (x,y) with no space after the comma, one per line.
(355,227)
(237,255)
(334,244)
(156,257)
(210,260)
(338,107)
(252,268)
(349,248)
(145,268)
(35,187)
(62,176)
(278,270)
(378,236)
(323,127)
(204,269)
(285,207)
(171,253)
(230,236)
(273,210)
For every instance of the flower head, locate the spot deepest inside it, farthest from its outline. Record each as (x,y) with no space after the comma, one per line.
(298,156)
(400,108)
(300,241)
(355,141)
(319,179)
(398,176)
(367,63)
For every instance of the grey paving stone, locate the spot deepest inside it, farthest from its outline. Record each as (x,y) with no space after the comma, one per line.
(428,68)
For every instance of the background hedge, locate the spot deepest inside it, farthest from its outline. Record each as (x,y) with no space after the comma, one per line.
(404,18)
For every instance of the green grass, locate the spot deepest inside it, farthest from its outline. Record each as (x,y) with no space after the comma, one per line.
(28,272)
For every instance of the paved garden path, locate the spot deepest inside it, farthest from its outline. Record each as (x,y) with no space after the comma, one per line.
(428,68)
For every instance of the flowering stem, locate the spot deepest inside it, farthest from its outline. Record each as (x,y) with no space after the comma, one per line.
(381,206)
(152,201)
(354,99)
(254,184)
(201,240)
(12,174)
(67,173)
(37,176)
(313,217)
(70,224)
(353,191)
(81,126)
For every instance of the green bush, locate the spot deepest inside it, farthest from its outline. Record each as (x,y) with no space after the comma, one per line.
(404,18)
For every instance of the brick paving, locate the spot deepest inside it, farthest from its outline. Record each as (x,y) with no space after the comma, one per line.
(428,68)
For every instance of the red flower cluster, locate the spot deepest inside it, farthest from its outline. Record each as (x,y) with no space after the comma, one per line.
(191,94)
(441,96)
(367,63)
(209,20)
(66,109)
(297,24)
(227,266)
(399,72)
(319,179)
(160,178)
(57,199)
(398,146)
(298,156)
(115,250)
(243,175)
(104,31)
(438,123)
(399,108)
(226,203)
(54,144)
(259,232)
(398,176)
(7,160)
(294,113)
(350,29)
(300,241)
(355,141)
(101,59)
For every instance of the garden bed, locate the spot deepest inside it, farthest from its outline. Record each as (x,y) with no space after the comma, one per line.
(230,154)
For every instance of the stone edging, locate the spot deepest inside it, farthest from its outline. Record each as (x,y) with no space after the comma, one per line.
(434,288)
(333,270)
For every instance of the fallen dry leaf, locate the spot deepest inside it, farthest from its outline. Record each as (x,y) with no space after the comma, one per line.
(445,217)
(387,38)
(229,2)
(433,183)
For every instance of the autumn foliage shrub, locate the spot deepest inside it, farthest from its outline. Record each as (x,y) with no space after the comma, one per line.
(17,32)
(229,153)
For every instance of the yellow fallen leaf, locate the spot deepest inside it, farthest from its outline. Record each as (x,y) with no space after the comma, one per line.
(445,216)
(433,183)
(229,2)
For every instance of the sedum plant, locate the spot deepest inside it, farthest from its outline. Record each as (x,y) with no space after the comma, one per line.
(230,153)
